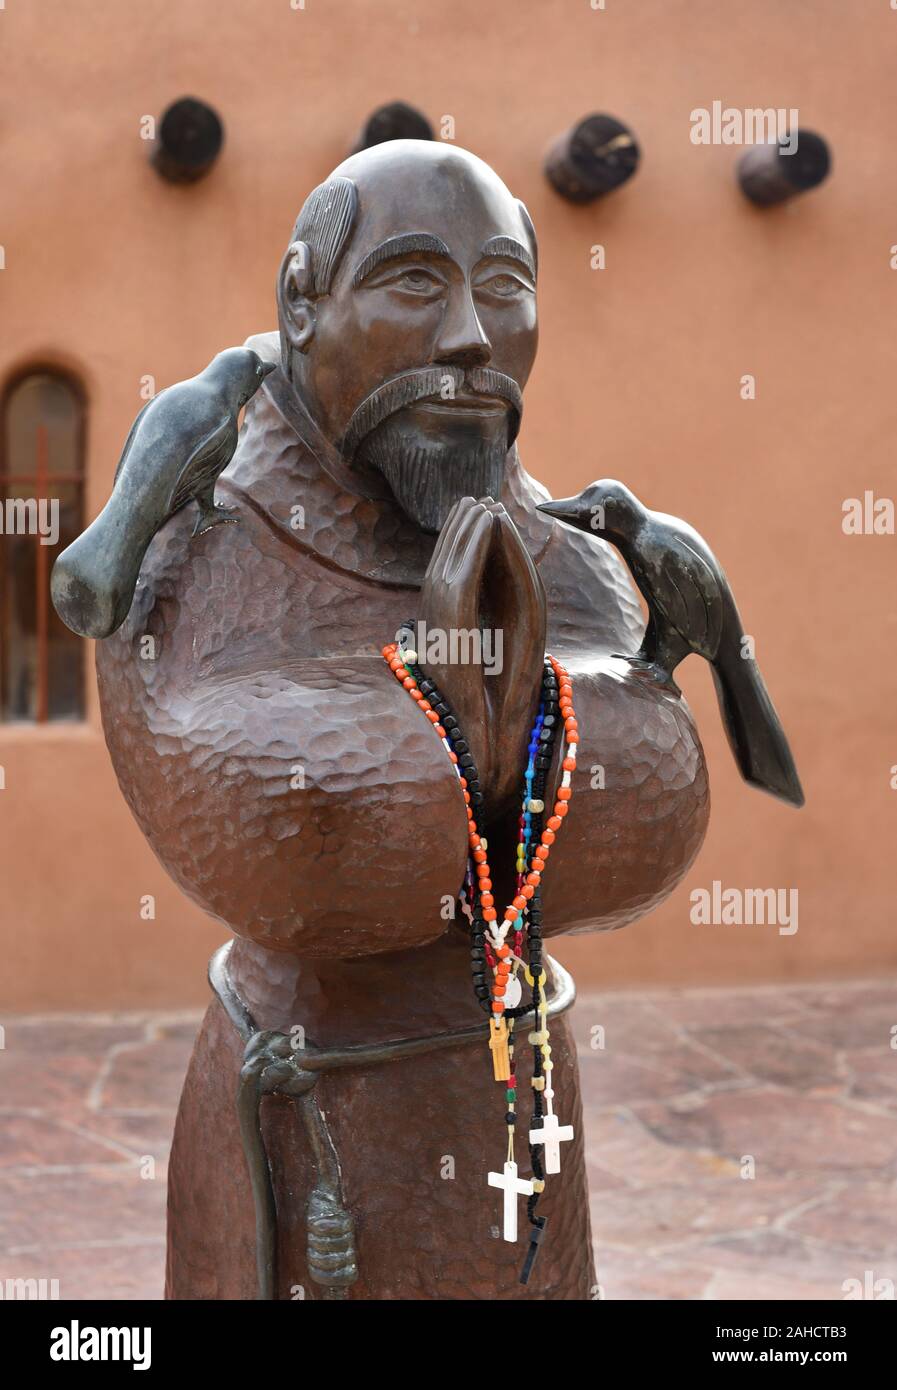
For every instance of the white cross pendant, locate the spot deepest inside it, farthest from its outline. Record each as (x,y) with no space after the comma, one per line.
(551,1134)
(513,1187)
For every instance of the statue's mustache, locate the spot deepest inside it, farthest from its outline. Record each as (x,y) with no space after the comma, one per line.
(429,383)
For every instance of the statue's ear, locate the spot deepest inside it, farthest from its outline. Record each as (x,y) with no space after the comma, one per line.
(295,292)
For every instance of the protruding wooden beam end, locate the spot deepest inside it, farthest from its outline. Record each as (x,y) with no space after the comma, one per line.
(595,156)
(188,141)
(394,121)
(772,173)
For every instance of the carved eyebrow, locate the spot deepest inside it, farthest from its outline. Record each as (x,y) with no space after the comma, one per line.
(511,250)
(396,246)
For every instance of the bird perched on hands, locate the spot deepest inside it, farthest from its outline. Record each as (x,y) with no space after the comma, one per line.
(691,609)
(178,445)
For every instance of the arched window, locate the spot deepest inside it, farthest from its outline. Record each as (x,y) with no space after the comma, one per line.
(41,486)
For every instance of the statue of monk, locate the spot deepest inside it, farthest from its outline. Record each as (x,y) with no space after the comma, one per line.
(291,788)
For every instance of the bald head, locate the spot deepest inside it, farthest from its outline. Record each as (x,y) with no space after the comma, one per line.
(408,289)
(412,178)
(412,172)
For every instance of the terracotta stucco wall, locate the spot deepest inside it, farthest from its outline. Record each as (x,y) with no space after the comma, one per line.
(115,274)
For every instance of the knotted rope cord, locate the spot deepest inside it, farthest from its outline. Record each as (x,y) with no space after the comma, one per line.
(273,1066)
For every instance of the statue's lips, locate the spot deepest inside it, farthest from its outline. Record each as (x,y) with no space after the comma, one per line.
(463,405)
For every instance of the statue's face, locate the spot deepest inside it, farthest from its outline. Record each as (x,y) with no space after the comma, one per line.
(430,326)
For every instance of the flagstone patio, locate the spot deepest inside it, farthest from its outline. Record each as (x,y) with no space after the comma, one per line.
(740,1143)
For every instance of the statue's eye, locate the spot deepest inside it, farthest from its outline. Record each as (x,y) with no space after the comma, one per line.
(418,281)
(410,279)
(504,285)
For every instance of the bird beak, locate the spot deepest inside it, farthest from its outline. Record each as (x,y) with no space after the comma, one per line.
(267,367)
(562,509)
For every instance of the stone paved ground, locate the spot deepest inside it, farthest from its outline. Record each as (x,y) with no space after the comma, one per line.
(689,1090)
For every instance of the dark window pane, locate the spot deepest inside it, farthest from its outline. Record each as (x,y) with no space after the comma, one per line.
(65,652)
(41,662)
(44,401)
(20,629)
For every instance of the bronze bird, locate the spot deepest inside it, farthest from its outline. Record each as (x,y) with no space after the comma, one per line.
(178,445)
(691,609)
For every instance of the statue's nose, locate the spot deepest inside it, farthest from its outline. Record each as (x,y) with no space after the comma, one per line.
(462,341)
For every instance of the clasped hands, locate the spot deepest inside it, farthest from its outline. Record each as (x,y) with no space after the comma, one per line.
(483,619)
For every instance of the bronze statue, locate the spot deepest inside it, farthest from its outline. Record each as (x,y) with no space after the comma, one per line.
(284,780)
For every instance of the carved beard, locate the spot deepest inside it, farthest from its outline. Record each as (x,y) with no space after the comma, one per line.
(428,475)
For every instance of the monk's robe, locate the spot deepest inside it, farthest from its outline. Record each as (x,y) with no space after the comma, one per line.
(288,785)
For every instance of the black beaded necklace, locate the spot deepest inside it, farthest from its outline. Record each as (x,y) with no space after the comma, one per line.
(490,954)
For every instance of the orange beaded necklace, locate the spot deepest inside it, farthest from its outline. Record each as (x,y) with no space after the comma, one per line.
(489,935)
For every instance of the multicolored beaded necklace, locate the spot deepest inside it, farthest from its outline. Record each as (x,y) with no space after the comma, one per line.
(496,964)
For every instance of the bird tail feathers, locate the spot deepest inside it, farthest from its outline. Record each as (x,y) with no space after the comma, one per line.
(754,730)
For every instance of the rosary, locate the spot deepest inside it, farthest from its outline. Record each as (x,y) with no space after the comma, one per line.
(497,965)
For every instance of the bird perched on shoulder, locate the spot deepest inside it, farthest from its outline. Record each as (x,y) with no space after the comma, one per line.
(178,445)
(691,609)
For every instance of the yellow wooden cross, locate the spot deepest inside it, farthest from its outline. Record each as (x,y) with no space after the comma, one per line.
(498,1044)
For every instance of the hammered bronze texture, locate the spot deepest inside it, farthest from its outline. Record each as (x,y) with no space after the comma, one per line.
(265,674)
(416,1139)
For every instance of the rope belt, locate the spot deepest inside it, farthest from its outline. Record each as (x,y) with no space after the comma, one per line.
(273,1065)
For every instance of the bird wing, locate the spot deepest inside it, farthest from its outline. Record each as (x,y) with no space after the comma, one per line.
(695,601)
(132,431)
(210,457)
